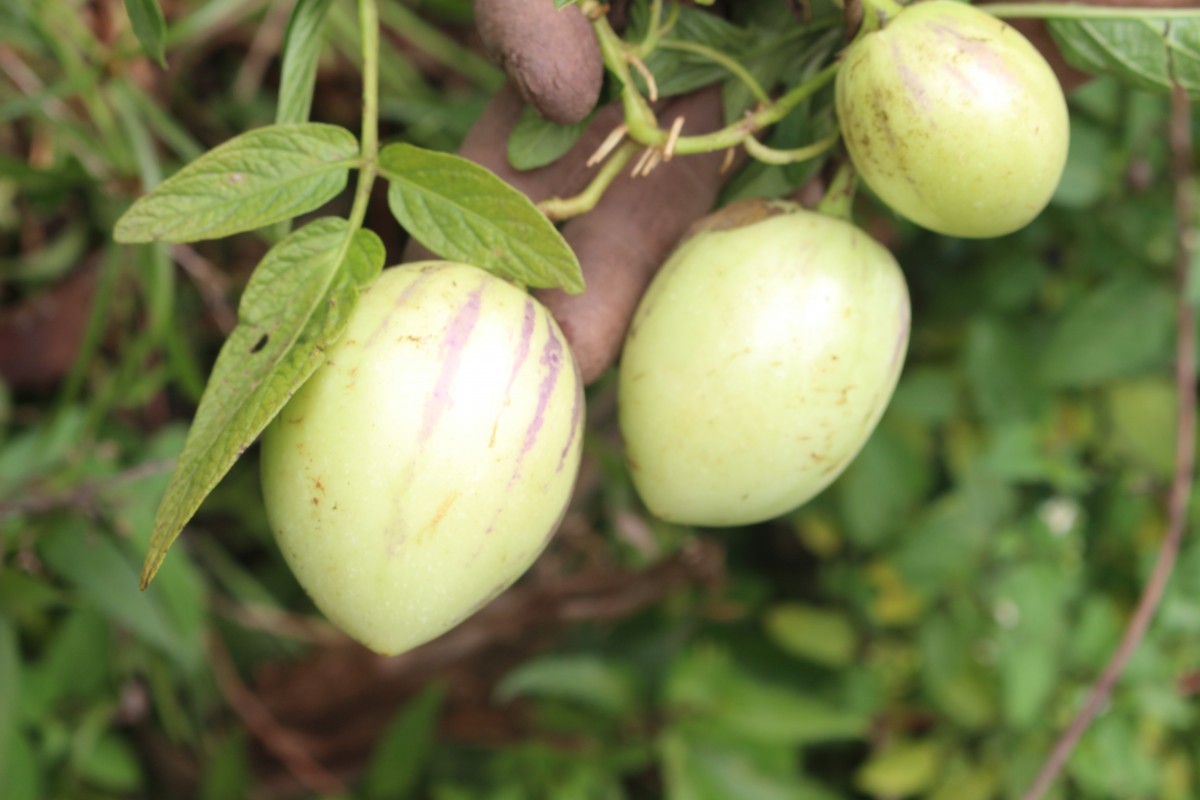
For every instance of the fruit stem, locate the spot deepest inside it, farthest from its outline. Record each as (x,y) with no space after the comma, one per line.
(560,208)
(640,118)
(737,133)
(839,197)
(643,125)
(771,155)
(876,14)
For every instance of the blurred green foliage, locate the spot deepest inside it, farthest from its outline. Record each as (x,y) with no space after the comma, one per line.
(923,629)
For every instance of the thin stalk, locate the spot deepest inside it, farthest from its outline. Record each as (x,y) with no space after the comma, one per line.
(657,28)
(876,13)
(839,197)
(770,155)
(736,134)
(1185,454)
(560,208)
(717,57)
(368,20)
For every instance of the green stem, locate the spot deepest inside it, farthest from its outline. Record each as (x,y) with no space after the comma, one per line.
(368,21)
(643,125)
(653,31)
(740,72)
(1073,11)
(557,208)
(839,197)
(737,133)
(770,155)
(876,13)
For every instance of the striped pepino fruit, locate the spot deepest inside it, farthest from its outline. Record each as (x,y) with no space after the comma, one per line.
(429,460)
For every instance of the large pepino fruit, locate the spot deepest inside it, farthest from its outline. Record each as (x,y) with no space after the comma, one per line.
(425,465)
(954,119)
(758,363)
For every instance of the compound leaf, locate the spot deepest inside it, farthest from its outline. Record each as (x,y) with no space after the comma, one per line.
(296,304)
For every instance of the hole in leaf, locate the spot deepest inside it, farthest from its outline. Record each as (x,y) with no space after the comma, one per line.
(260,344)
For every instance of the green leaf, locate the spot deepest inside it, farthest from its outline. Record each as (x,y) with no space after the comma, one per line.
(227,770)
(402,754)
(22,776)
(905,769)
(587,680)
(1121,328)
(111,763)
(1090,172)
(679,71)
(952,675)
(296,304)
(816,634)
(149,26)
(1141,416)
(106,579)
(964,781)
(10,690)
(1111,761)
(261,177)
(463,212)
(1150,53)
(75,664)
(707,689)
(301,48)
(698,768)
(536,142)
(1000,364)
(882,486)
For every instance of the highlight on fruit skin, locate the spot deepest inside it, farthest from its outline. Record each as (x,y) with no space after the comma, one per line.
(430,459)
(758,364)
(953,119)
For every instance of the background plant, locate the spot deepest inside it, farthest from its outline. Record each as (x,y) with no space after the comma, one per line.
(926,628)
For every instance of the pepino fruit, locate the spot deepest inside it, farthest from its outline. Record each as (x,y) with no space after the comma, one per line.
(954,119)
(758,363)
(429,460)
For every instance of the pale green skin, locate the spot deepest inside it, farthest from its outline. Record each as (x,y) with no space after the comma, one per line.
(427,463)
(757,365)
(954,119)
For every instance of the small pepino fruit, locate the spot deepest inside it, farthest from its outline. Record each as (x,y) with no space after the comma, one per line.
(954,119)
(429,460)
(758,363)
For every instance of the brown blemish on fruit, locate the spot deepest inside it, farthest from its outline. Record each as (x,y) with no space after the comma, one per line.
(739,215)
(443,509)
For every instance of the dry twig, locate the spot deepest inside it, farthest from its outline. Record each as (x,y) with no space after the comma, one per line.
(82,498)
(283,743)
(1185,383)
